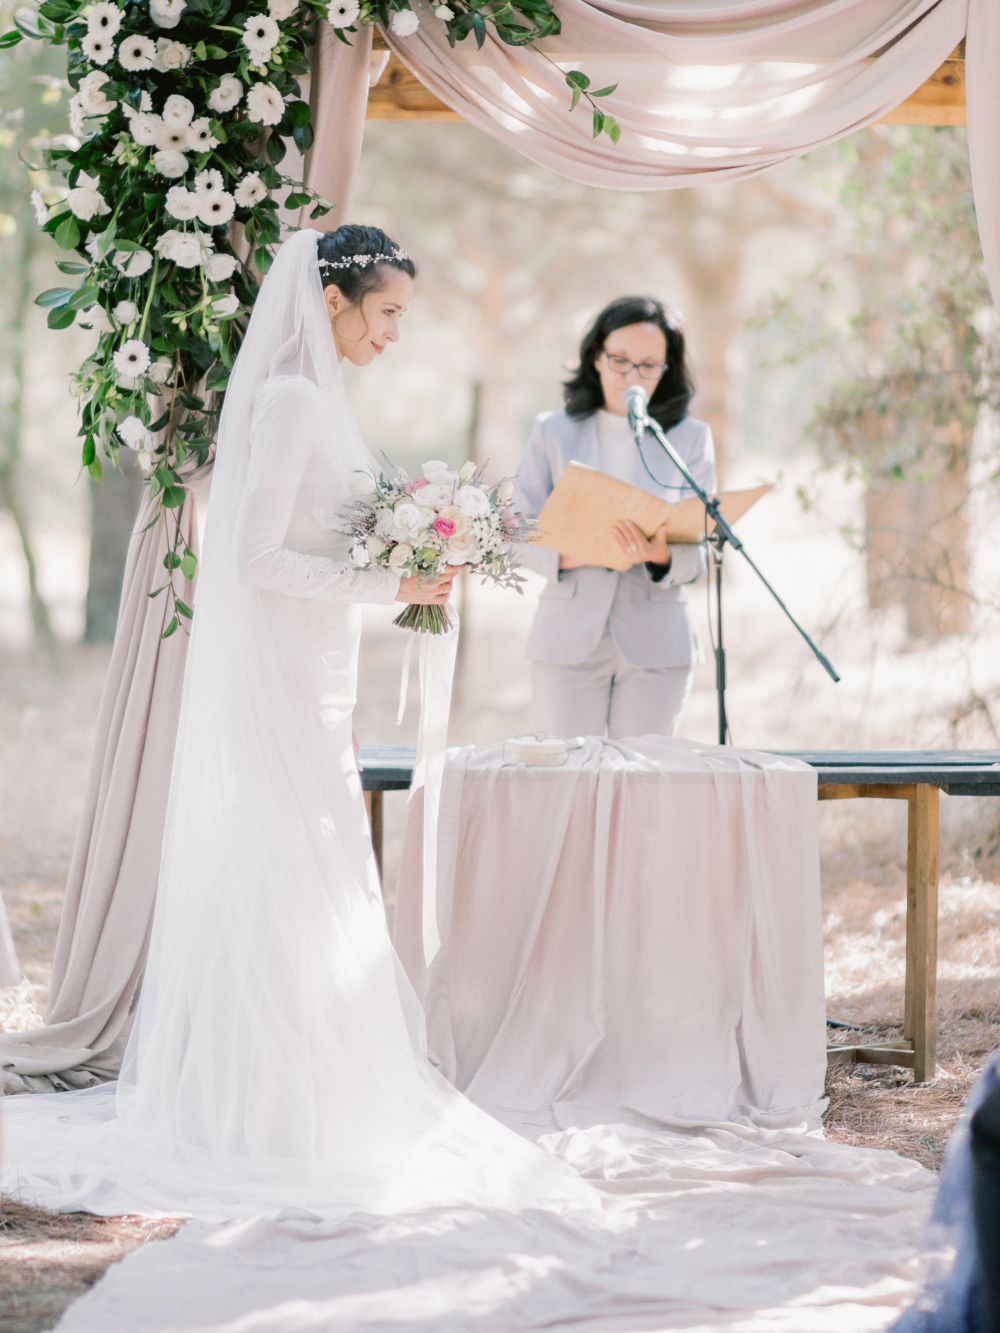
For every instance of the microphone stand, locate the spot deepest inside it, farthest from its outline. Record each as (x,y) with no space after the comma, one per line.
(641,421)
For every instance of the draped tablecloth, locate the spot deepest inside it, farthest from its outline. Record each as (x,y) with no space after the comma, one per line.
(635,937)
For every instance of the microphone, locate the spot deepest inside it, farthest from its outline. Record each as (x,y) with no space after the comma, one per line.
(636,400)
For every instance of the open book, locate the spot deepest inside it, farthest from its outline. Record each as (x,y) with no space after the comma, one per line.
(577,518)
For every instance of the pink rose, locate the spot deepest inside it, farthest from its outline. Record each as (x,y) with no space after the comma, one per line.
(415,485)
(444,527)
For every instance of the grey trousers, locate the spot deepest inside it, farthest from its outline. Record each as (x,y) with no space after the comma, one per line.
(604,695)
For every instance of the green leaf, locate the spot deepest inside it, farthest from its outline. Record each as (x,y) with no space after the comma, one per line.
(170,629)
(89,451)
(27,22)
(219,131)
(71,266)
(321,210)
(575,98)
(275,149)
(189,565)
(128,247)
(603,92)
(612,129)
(96,469)
(68,233)
(303,137)
(183,609)
(10,39)
(295,199)
(171,560)
(219,382)
(83,298)
(263,259)
(298,113)
(576,78)
(173,497)
(55,297)
(598,122)
(61,318)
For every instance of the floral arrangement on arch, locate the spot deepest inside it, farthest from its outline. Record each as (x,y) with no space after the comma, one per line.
(180,118)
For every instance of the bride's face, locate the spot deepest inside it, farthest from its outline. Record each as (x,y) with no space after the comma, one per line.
(362,332)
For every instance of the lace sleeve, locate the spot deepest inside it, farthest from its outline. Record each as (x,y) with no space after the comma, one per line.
(282,439)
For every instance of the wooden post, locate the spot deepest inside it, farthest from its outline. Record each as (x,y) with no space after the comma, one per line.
(373,803)
(920,1018)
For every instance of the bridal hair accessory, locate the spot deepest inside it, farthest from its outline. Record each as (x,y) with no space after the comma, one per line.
(362,261)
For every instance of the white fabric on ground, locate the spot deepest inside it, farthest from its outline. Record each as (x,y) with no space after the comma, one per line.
(10,968)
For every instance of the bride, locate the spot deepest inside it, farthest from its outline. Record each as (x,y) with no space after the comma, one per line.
(278,1055)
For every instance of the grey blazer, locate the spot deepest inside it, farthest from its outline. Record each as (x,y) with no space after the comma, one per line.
(650,620)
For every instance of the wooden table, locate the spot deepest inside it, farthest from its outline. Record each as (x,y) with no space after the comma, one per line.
(914,776)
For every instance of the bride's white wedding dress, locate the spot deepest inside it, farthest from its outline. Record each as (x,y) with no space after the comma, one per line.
(277,1057)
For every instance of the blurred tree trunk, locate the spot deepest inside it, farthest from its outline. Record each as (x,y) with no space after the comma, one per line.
(13,427)
(114,506)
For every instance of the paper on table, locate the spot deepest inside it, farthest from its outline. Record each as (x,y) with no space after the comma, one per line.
(578,516)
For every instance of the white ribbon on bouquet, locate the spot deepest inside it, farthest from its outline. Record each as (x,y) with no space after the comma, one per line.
(437,672)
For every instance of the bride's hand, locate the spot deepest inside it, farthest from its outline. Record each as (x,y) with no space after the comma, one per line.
(428,591)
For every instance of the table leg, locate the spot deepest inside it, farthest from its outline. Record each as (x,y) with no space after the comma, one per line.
(920,1017)
(373,803)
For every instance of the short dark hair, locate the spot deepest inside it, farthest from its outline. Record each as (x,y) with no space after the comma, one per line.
(668,403)
(357,280)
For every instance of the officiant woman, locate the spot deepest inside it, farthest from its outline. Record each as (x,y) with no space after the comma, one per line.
(612,653)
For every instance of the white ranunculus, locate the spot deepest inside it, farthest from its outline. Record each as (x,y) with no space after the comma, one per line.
(221,267)
(433,497)
(398,557)
(98,48)
(171,55)
(92,101)
(145,128)
(185,249)
(85,200)
(201,136)
(227,95)
(261,36)
(40,207)
(403,23)
(225,305)
(209,182)
(344,12)
(251,190)
(505,491)
(473,502)
(181,204)
(136,53)
(265,105)
(126,312)
(178,110)
(444,13)
(467,470)
(133,433)
(132,358)
(168,162)
(166,13)
(96,318)
(177,137)
(160,371)
(104,19)
(133,263)
(460,549)
(365,484)
(407,519)
(215,210)
(282,9)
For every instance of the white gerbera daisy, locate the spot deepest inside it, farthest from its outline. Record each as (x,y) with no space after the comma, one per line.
(344,13)
(265,104)
(261,36)
(251,190)
(104,19)
(174,136)
(227,95)
(209,182)
(181,204)
(132,358)
(215,210)
(201,137)
(136,53)
(98,48)
(178,110)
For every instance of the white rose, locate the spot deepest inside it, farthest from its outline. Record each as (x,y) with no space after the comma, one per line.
(96,318)
(160,371)
(344,12)
(221,267)
(200,135)
(85,200)
(460,549)
(177,110)
(168,162)
(92,101)
(227,95)
(407,518)
(181,204)
(403,23)
(466,471)
(438,473)
(126,312)
(473,502)
(432,497)
(505,491)
(146,128)
(77,117)
(98,48)
(215,210)
(251,190)
(282,9)
(225,305)
(166,13)
(41,208)
(398,557)
(133,263)
(127,382)
(185,249)
(366,484)
(136,53)
(444,13)
(104,19)
(171,55)
(133,433)
(265,105)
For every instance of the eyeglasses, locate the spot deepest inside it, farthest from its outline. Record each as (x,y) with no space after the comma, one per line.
(621,365)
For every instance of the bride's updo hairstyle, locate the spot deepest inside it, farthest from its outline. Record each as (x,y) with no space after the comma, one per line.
(668,403)
(355,258)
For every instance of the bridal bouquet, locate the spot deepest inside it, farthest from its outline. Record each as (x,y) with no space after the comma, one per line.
(417,526)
